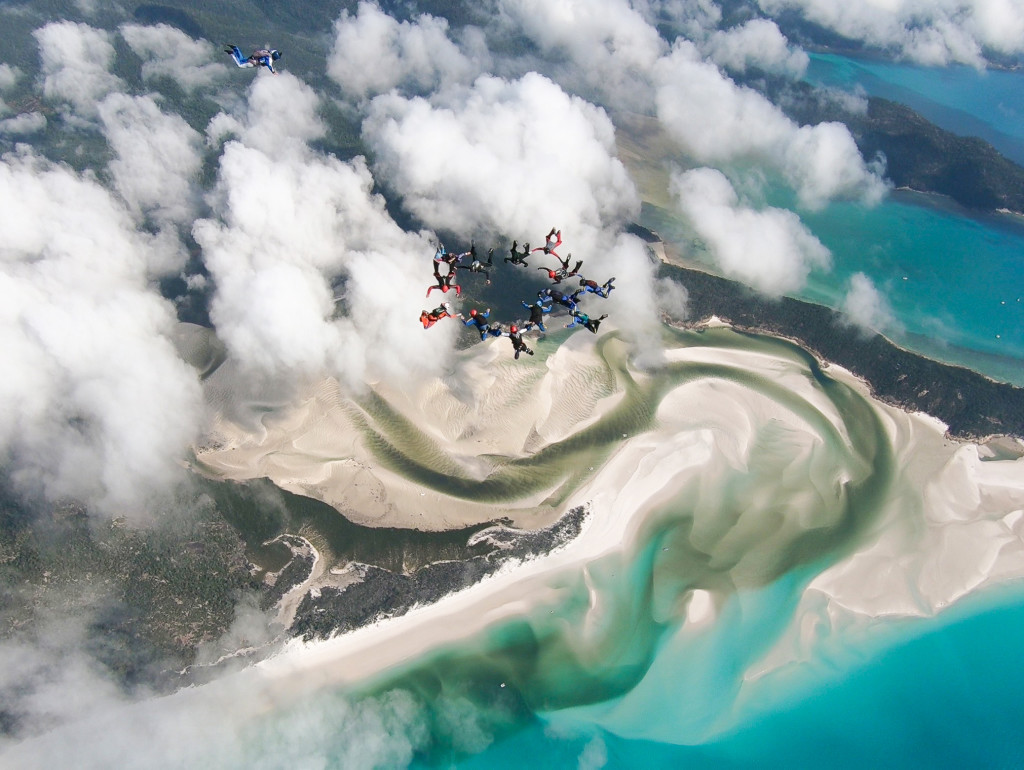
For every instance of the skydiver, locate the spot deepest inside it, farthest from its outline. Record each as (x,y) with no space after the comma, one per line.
(444,283)
(566,300)
(579,317)
(476,266)
(593,287)
(517,341)
(552,242)
(442,255)
(428,319)
(537,311)
(559,275)
(478,319)
(517,258)
(262,57)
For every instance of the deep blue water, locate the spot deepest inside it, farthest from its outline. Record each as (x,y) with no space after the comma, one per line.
(988,104)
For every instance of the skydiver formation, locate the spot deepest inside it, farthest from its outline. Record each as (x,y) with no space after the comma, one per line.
(547,298)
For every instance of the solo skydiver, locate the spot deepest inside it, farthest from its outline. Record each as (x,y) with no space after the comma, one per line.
(430,318)
(557,276)
(517,258)
(442,255)
(518,344)
(566,300)
(593,287)
(478,319)
(537,311)
(579,317)
(552,242)
(444,283)
(262,57)
(476,266)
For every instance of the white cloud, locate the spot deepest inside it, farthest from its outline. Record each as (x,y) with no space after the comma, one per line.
(933,32)
(373,53)
(24,123)
(8,76)
(769,249)
(506,157)
(94,403)
(76,61)
(280,116)
(865,306)
(758,43)
(156,160)
(47,679)
(169,52)
(610,47)
(290,224)
(717,121)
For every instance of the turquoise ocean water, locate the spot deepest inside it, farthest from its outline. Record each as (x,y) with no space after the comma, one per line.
(941,693)
(955,284)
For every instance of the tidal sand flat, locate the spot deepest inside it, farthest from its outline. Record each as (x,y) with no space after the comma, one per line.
(747,511)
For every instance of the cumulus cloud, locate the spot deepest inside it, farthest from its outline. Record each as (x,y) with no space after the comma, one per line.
(717,121)
(373,53)
(502,156)
(94,404)
(610,47)
(169,52)
(933,32)
(758,43)
(8,77)
(23,124)
(281,116)
(76,61)
(292,224)
(865,306)
(156,158)
(769,249)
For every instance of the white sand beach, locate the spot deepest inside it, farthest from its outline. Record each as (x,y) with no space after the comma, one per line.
(951,523)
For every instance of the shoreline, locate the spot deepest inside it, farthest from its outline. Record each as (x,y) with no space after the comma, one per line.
(973,405)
